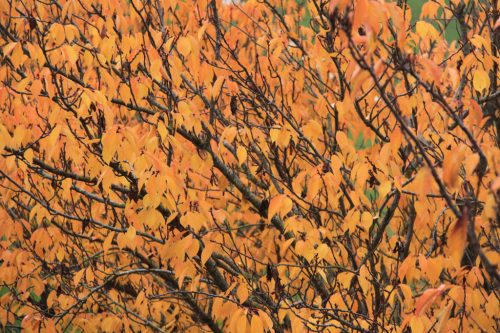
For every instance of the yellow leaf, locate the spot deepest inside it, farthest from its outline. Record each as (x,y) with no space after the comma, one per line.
(481,80)
(425,29)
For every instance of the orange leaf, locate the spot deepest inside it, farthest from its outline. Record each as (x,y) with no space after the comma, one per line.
(184,46)
(107,242)
(444,315)
(57,33)
(242,293)
(497,24)
(130,234)
(217,87)
(207,252)
(457,239)
(427,298)
(121,241)
(78,277)
(256,325)
(495,184)
(279,204)
(241,153)
(9,48)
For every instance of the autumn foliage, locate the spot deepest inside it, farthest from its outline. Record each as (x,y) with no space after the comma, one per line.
(249,166)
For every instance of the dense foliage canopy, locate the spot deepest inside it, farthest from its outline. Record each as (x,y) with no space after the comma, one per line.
(249,166)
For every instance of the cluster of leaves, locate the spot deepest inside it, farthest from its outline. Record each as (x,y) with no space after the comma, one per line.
(249,166)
